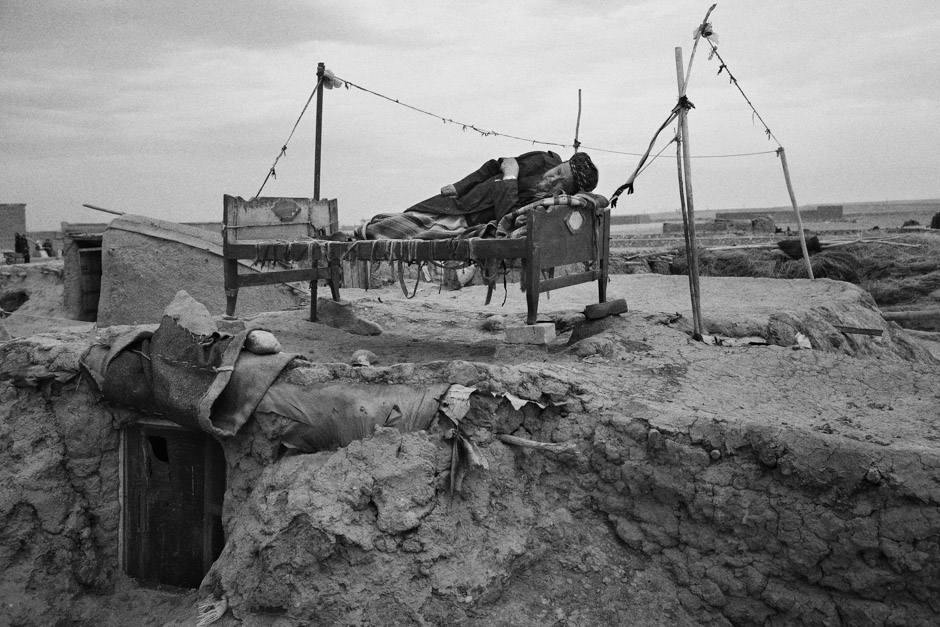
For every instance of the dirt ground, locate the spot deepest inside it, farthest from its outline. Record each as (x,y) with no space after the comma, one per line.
(440,325)
(646,527)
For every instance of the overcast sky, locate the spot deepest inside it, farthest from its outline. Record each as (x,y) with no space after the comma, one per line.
(160,108)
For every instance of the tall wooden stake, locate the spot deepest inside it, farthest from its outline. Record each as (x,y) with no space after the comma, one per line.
(577,126)
(799,221)
(321,68)
(314,282)
(690,207)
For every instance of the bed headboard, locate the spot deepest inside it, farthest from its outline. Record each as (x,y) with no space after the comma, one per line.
(278,219)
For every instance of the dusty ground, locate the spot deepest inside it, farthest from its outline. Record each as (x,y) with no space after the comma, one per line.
(643,527)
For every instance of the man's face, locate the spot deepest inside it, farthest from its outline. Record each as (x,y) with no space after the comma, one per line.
(558,179)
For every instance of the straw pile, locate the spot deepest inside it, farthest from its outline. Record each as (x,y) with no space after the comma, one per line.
(897,270)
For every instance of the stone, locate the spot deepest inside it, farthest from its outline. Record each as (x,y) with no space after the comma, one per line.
(494,323)
(340,314)
(530,334)
(261,342)
(363,357)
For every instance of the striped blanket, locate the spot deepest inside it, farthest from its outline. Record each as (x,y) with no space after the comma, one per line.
(427,226)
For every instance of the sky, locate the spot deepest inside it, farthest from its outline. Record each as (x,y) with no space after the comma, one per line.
(160,108)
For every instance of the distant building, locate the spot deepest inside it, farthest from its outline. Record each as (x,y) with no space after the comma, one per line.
(633,218)
(12,221)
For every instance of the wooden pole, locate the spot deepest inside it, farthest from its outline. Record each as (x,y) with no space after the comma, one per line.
(314,282)
(321,68)
(695,47)
(685,219)
(117,213)
(690,207)
(577,126)
(799,221)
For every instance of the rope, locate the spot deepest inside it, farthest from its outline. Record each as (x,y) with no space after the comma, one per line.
(734,81)
(283,152)
(628,186)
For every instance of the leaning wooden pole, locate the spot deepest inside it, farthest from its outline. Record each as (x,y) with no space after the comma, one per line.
(321,69)
(799,221)
(689,205)
(685,216)
(577,126)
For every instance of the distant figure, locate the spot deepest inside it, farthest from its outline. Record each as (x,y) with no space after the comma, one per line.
(935,221)
(47,246)
(21,246)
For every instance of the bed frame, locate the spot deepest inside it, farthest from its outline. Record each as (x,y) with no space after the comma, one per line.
(275,231)
(272,230)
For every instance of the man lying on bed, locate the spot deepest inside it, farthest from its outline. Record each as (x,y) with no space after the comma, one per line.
(463,209)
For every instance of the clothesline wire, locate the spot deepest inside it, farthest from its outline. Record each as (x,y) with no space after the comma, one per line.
(486,133)
(272,172)
(734,81)
(483,132)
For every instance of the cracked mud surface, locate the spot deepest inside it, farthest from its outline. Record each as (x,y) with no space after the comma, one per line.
(708,485)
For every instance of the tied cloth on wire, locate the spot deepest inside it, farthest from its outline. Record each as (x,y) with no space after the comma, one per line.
(705,30)
(683,103)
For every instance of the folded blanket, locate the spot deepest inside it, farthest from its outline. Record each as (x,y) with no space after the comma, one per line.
(514,223)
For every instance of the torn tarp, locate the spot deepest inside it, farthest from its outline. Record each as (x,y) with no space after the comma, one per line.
(182,370)
(189,372)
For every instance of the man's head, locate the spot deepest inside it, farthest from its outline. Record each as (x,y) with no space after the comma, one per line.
(578,174)
(583,172)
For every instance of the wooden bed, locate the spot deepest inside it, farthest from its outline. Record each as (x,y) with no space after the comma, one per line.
(276,231)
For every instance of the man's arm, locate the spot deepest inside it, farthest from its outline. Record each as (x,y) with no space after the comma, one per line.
(506,195)
(485,172)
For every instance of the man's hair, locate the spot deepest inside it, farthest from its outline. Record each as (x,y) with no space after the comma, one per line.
(584,172)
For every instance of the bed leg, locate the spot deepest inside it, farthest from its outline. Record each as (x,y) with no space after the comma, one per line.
(531,277)
(230,276)
(604,261)
(532,304)
(313,299)
(335,278)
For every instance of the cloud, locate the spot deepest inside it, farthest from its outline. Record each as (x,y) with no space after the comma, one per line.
(164,106)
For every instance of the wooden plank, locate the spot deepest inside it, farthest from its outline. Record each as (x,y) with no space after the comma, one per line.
(560,245)
(858,330)
(567,281)
(279,218)
(925,315)
(284,276)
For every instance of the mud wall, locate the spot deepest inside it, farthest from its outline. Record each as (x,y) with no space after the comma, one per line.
(728,523)
(654,508)
(59,481)
(141,273)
